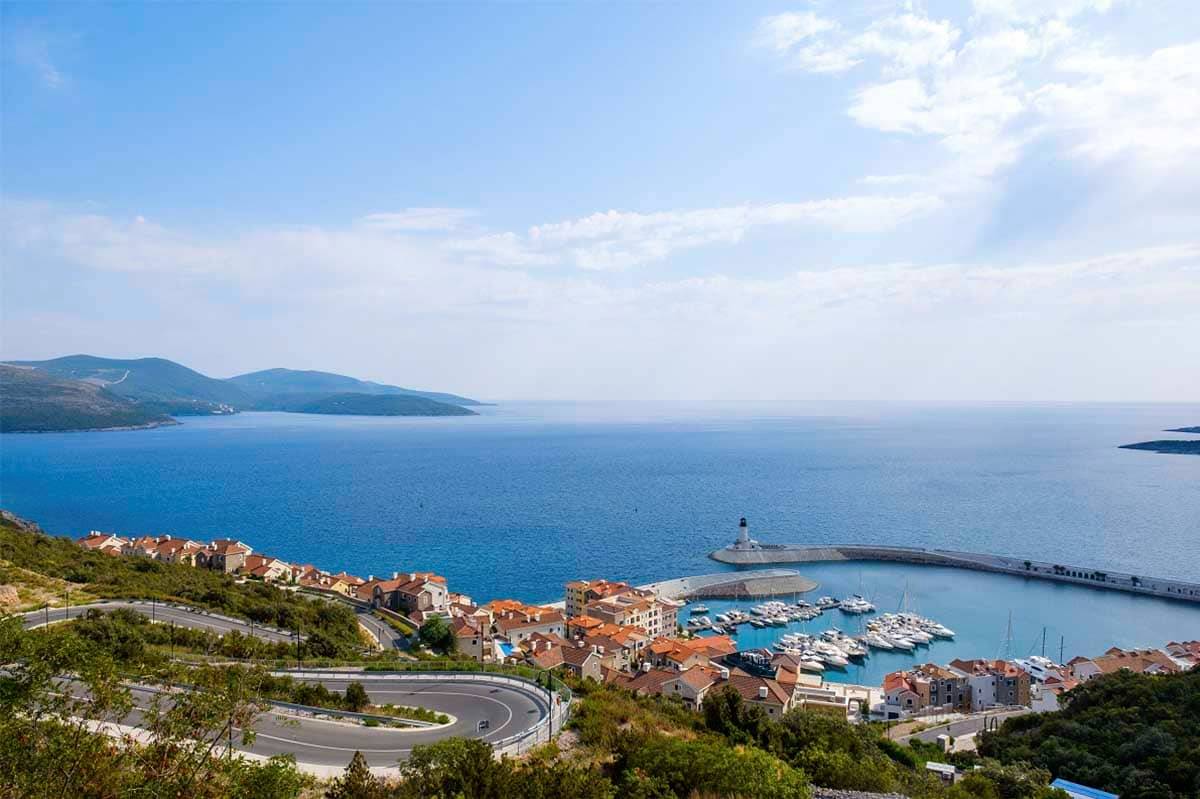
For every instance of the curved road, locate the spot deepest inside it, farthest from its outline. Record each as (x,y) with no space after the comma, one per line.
(157,611)
(508,706)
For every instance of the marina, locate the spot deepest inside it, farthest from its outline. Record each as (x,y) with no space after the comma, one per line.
(1047,620)
(832,648)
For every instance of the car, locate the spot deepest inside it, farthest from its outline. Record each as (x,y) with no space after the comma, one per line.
(483,725)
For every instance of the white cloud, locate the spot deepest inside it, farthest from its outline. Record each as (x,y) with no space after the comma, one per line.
(1146,106)
(31,48)
(784,31)
(614,240)
(1033,10)
(1019,73)
(890,330)
(411,219)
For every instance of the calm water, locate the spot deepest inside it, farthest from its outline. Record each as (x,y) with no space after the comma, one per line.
(529,495)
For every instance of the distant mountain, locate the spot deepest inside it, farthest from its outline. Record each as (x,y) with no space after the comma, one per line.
(34,401)
(1183,430)
(79,392)
(163,385)
(293,381)
(352,404)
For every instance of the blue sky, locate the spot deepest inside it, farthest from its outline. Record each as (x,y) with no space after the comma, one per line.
(994,199)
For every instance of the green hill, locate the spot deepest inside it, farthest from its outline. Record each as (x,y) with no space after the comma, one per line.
(84,392)
(1137,735)
(33,401)
(272,382)
(164,386)
(352,404)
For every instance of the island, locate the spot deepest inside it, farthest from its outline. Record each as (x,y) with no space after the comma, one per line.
(1184,430)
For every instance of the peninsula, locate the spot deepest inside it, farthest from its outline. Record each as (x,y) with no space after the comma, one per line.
(1171,446)
(85,392)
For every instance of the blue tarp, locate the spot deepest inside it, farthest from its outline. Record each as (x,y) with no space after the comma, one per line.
(1082,791)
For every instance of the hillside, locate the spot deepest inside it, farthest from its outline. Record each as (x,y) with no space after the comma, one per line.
(272,382)
(352,404)
(84,392)
(33,401)
(163,385)
(1136,735)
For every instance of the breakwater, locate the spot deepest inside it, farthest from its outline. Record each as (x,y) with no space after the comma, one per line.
(767,554)
(762,583)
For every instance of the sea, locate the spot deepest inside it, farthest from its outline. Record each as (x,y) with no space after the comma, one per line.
(518,500)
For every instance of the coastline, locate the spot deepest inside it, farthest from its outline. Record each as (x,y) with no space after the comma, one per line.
(148,426)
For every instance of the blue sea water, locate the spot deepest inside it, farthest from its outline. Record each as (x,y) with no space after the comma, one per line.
(529,495)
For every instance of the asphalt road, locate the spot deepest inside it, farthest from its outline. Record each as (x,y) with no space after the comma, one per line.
(964,727)
(509,708)
(184,617)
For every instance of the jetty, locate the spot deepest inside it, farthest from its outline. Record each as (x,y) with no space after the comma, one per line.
(747,552)
(734,585)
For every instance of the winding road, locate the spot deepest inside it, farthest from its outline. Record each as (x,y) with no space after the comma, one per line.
(506,707)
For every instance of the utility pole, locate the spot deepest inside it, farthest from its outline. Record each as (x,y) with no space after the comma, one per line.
(1043,641)
(1061,642)
(67,589)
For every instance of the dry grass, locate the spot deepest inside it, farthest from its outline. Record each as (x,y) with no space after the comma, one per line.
(35,590)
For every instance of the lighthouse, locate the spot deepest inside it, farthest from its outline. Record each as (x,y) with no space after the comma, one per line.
(743,538)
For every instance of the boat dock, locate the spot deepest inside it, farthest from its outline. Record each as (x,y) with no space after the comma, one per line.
(750,553)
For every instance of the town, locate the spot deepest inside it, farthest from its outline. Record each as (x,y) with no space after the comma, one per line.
(612,632)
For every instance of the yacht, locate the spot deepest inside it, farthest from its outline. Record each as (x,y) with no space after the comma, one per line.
(1039,667)
(694,609)
(879,642)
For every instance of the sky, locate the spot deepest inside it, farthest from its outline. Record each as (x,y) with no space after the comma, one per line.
(976,200)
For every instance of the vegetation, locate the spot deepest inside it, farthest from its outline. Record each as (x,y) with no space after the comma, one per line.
(164,385)
(32,401)
(352,404)
(48,748)
(459,767)
(437,635)
(1168,446)
(82,392)
(282,382)
(1132,734)
(331,629)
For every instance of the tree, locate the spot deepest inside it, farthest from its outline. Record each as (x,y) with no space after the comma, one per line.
(437,635)
(357,782)
(356,697)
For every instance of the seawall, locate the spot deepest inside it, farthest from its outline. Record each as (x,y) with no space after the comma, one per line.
(767,554)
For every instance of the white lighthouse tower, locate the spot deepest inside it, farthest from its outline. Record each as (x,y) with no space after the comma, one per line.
(743,538)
